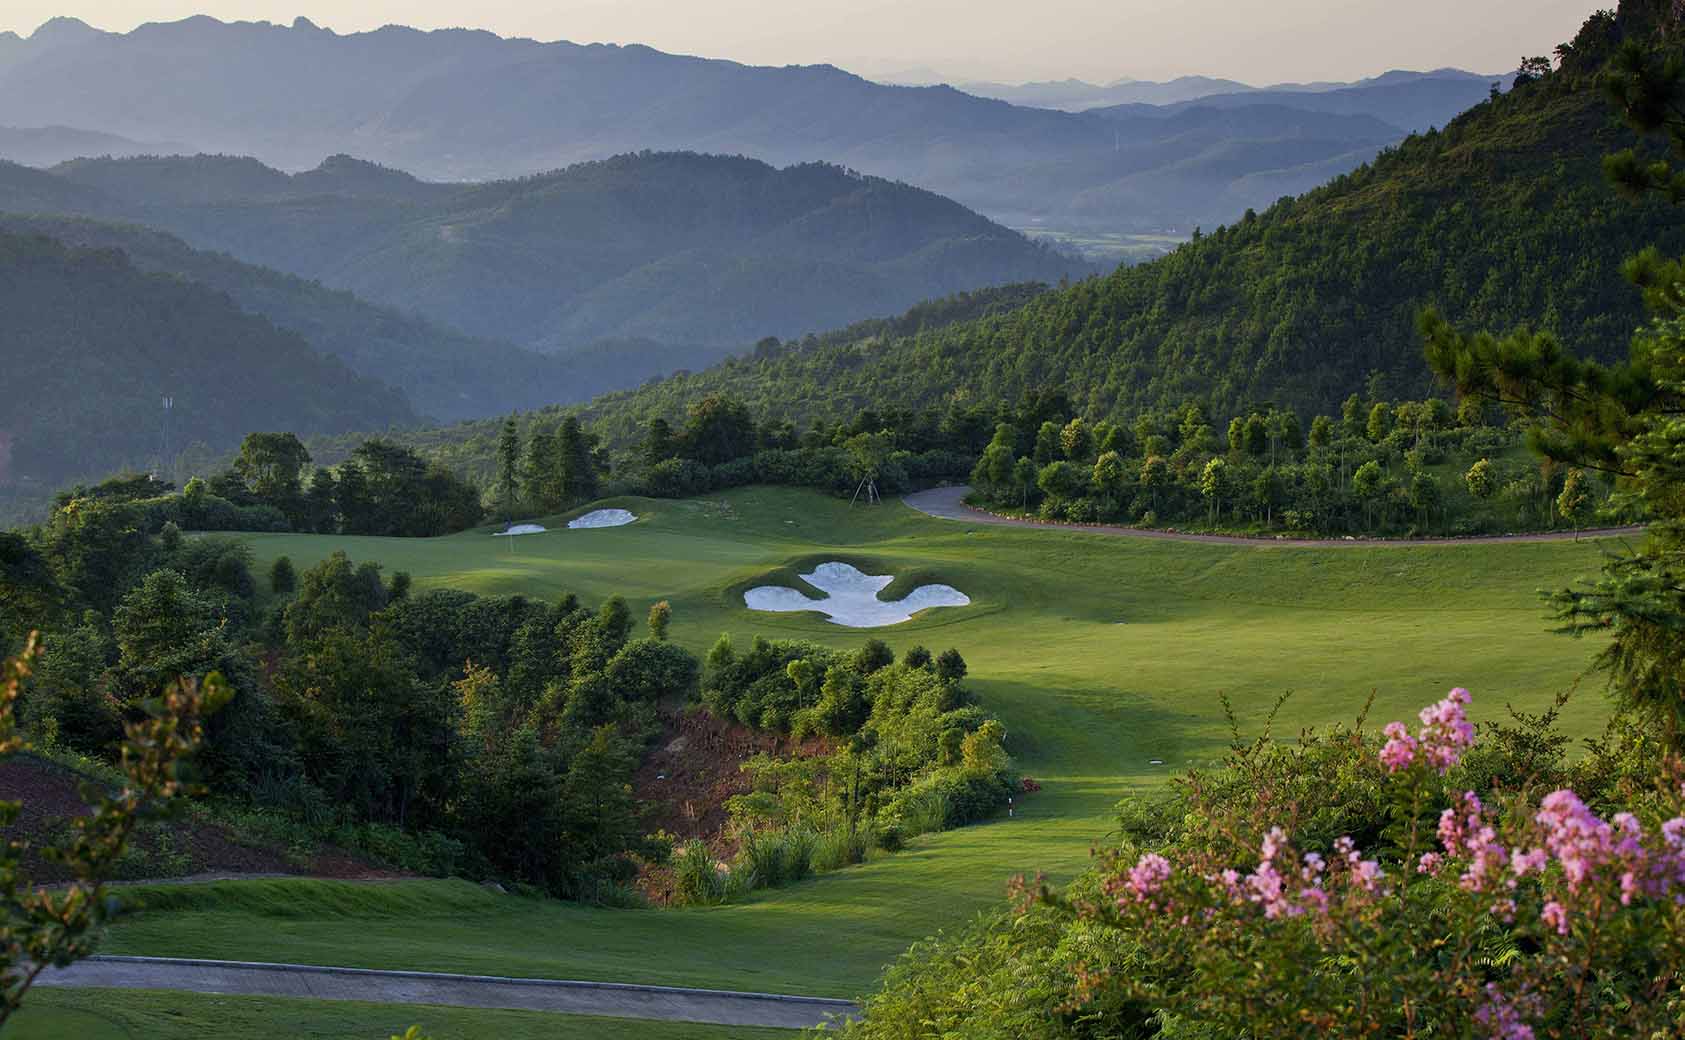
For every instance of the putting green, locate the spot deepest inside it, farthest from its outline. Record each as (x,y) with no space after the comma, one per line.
(1100,655)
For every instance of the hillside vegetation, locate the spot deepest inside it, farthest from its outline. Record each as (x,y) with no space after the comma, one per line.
(95,344)
(1500,220)
(445,374)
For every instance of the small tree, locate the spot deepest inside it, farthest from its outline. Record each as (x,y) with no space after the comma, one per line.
(660,616)
(1482,482)
(950,666)
(1024,475)
(1049,444)
(1380,422)
(283,580)
(1424,496)
(508,469)
(1077,441)
(1368,483)
(1575,501)
(55,927)
(1214,485)
(1155,474)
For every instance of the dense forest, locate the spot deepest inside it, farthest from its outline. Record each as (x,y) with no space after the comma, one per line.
(96,383)
(1501,219)
(456,734)
(682,249)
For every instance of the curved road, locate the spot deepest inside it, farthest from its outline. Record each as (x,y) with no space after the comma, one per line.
(610,999)
(948,503)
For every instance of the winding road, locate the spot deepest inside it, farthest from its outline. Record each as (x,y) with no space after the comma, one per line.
(948,503)
(610,999)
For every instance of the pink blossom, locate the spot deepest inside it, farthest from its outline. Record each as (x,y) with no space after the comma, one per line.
(1429,863)
(1400,750)
(1264,885)
(1368,875)
(1487,858)
(1575,836)
(1445,734)
(1446,730)
(1148,875)
(1532,861)
(1555,915)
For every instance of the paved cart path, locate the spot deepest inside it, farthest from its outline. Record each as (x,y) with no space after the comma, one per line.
(948,503)
(610,999)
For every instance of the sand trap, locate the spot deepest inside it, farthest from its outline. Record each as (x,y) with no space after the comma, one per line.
(851,598)
(602,518)
(519,529)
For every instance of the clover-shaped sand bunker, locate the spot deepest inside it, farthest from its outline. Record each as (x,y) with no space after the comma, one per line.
(851,597)
(603,518)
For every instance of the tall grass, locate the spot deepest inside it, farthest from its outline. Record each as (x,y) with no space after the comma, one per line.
(698,880)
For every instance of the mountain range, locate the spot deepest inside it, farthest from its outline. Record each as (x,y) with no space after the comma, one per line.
(1075,95)
(1500,219)
(468,105)
(675,248)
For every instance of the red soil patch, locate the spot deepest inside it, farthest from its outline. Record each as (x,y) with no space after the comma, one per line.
(696,766)
(51,795)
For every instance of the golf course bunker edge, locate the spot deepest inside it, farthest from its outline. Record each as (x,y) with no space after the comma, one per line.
(515,529)
(602,518)
(851,598)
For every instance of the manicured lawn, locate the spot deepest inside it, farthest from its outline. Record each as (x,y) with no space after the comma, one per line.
(116,1014)
(1100,654)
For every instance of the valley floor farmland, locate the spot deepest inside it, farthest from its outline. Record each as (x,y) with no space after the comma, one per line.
(1100,655)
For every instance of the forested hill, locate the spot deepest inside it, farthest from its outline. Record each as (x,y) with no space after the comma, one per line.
(446,375)
(90,345)
(1502,217)
(677,248)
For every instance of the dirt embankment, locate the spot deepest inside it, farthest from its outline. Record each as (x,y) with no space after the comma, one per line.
(180,848)
(697,765)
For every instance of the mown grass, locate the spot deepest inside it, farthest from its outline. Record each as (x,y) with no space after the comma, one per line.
(116,1014)
(1101,654)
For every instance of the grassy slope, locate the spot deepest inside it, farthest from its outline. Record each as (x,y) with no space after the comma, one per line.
(114,1014)
(1099,654)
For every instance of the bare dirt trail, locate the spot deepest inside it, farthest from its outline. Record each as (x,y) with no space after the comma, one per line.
(948,503)
(613,1000)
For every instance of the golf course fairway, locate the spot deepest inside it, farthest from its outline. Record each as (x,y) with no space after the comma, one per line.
(1099,654)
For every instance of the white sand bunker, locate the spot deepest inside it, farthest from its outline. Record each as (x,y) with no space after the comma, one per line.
(851,597)
(602,518)
(519,529)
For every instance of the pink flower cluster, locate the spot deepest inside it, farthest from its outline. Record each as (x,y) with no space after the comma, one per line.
(1586,847)
(1272,886)
(1147,876)
(1445,734)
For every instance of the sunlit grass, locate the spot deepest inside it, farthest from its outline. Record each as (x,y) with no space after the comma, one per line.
(1100,654)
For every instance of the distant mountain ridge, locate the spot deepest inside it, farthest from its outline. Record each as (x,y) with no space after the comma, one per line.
(677,248)
(468,105)
(1074,95)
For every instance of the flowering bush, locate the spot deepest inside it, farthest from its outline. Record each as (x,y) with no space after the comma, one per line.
(1511,916)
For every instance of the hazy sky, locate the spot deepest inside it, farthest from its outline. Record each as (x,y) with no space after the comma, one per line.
(1258,41)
